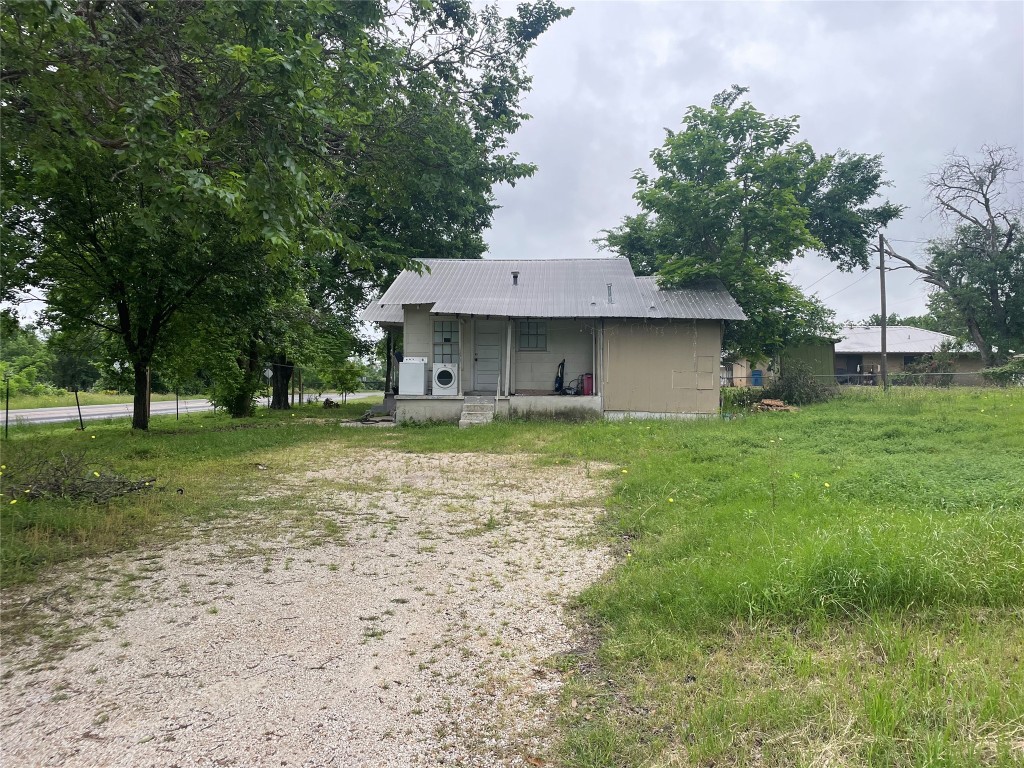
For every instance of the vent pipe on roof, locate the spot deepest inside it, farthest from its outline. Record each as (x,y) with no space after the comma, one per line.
(611,300)
(515,278)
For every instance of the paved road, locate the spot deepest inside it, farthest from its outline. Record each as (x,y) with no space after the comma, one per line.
(124,410)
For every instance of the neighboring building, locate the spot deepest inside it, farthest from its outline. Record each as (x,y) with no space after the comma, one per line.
(496,331)
(859,351)
(817,357)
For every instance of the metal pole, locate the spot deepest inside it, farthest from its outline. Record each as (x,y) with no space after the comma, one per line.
(80,422)
(175,403)
(881,275)
(7,404)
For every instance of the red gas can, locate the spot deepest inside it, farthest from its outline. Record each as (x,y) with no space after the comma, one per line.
(588,383)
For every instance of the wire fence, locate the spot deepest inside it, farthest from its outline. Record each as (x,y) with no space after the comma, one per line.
(942,379)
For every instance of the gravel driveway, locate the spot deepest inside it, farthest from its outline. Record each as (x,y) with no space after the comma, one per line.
(405,614)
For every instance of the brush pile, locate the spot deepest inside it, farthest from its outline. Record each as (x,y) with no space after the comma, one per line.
(67,476)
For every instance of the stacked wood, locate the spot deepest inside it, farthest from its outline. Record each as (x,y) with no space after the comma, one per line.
(774,405)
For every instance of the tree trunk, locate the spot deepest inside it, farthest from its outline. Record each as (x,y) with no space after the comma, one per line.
(979,340)
(282,374)
(140,403)
(242,402)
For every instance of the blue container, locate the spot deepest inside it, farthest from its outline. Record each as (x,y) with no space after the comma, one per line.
(756,378)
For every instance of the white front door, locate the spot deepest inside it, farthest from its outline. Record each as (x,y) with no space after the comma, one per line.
(486,355)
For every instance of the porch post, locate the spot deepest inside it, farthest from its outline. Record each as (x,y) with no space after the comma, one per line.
(508,361)
(462,353)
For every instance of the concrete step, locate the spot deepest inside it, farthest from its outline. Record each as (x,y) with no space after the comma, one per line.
(478,408)
(472,416)
(466,423)
(479,399)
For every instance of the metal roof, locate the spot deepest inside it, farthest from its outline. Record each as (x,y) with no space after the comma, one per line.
(707,300)
(547,288)
(899,339)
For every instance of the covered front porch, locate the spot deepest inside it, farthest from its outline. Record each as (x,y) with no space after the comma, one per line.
(511,363)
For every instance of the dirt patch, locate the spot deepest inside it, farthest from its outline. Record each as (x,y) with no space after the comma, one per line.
(415,628)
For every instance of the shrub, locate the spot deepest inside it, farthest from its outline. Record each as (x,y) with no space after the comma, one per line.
(933,371)
(796,385)
(1005,375)
(736,399)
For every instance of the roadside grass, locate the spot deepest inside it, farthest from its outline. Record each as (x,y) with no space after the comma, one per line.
(19,402)
(839,586)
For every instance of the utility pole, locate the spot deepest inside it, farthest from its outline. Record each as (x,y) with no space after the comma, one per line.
(881,278)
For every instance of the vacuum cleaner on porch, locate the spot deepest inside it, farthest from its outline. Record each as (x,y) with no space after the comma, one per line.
(581,385)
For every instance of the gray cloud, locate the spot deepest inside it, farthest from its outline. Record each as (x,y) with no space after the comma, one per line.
(911,81)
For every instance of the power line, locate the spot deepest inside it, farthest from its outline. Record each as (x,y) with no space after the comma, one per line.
(820,279)
(862,277)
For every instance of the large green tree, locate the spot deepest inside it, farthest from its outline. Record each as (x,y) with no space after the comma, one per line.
(736,196)
(147,143)
(978,270)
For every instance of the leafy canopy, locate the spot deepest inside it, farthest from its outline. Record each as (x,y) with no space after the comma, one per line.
(735,196)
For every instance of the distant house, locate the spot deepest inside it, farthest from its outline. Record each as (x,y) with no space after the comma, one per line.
(487,335)
(858,356)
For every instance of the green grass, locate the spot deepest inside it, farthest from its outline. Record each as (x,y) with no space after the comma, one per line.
(849,594)
(841,586)
(85,398)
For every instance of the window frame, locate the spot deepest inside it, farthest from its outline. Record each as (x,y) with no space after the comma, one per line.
(539,332)
(445,342)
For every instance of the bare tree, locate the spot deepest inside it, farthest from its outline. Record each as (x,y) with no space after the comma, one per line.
(978,266)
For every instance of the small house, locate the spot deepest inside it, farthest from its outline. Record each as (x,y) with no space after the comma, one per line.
(858,353)
(527,336)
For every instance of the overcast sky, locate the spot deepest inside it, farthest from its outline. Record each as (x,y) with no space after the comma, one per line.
(911,81)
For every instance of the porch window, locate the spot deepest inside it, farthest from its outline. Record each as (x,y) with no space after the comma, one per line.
(446,341)
(533,335)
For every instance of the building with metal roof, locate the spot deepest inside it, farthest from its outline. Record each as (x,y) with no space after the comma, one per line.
(484,335)
(548,288)
(858,354)
(899,339)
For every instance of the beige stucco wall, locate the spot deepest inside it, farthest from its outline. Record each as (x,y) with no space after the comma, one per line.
(416,333)
(894,362)
(423,409)
(662,367)
(549,404)
(571,340)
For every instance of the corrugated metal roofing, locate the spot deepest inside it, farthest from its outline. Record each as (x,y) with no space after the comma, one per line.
(547,288)
(899,339)
(708,300)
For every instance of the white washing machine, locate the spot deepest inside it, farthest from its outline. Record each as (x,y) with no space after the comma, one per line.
(446,379)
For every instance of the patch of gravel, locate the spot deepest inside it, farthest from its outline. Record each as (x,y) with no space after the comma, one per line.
(420,632)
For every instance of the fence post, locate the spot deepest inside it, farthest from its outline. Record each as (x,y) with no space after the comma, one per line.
(7,403)
(79,406)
